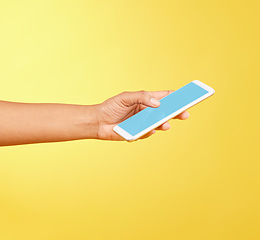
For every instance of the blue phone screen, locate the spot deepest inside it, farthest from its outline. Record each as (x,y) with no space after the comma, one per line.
(169,105)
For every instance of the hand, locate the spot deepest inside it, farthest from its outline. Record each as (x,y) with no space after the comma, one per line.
(118,108)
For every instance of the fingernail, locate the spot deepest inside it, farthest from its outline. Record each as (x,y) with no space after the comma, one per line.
(155,102)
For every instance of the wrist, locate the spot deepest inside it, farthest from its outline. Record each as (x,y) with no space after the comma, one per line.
(89,122)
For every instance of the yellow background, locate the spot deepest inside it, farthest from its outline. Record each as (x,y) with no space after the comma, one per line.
(200,180)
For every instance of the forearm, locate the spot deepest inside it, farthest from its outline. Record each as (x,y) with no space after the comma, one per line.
(24,123)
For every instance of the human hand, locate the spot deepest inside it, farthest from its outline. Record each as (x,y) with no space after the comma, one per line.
(124,105)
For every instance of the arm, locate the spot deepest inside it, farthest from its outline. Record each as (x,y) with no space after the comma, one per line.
(24,123)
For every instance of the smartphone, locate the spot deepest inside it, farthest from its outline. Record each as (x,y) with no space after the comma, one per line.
(171,106)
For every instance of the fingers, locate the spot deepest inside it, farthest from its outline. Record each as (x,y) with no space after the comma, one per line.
(140,97)
(148,134)
(184,115)
(164,127)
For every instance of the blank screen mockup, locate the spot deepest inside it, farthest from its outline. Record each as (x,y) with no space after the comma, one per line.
(169,105)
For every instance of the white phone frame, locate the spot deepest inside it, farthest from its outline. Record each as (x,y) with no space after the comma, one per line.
(126,135)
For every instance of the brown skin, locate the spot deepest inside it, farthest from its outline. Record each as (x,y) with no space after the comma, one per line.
(26,123)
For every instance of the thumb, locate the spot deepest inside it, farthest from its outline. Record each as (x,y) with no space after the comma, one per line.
(140,97)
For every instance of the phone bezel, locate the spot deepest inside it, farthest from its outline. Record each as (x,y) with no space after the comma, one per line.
(126,135)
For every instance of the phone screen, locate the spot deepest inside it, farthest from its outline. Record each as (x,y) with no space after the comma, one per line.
(169,104)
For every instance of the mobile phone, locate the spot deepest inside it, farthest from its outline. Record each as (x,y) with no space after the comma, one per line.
(171,106)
